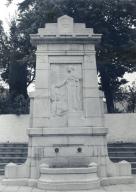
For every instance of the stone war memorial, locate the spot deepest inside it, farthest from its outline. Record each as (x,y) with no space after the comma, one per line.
(67,147)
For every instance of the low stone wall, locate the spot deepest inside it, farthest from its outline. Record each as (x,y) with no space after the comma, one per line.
(122,128)
(13,128)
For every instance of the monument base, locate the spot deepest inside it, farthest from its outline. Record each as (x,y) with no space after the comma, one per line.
(73,179)
(68,179)
(73,172)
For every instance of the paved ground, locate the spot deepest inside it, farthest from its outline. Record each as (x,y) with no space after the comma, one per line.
(112,188)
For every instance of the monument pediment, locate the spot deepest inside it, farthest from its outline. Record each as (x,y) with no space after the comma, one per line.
(64,28)
(65,25)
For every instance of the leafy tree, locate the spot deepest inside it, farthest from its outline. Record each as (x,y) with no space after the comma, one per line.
(126,96)
(19,106)
(4,105)
(16,72)
(131,107)
(3,47)
(115,19)
(14,101)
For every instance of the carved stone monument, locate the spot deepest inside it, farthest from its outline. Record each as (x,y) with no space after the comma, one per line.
(67,137)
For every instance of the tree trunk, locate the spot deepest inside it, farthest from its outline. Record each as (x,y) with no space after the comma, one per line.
(109,99)
(17,80)
(107,90)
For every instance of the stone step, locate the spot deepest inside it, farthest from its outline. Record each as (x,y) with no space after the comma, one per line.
(133,165)
(122,154)
(13,148)
(19,152)
(68,178)
(12,152)
(13,145)
(114,149)
(134,171)
(2,165)
(123,151)
(7,147)
(121,145)
(9,155)
(1,171)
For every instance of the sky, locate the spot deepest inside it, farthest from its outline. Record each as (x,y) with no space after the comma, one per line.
(7,13)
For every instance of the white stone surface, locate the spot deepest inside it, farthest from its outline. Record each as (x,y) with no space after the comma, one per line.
(122,127)
(14,128)
(10,170)
(76,59)
(90,78)
(112,188)
(65,26)
(94,110)
(89,61)
(42,77)
(125,168)
(69,178)
(41,107)
(13,170)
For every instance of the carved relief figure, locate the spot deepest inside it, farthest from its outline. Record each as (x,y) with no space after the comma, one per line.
(73,90)
(58,101)
(66,96)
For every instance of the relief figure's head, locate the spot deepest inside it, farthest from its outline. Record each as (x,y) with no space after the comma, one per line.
(70,69)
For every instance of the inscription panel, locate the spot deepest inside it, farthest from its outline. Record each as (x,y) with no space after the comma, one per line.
(65,25)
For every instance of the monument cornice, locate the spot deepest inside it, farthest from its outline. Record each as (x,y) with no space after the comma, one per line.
(68,131)
(62,52)
(38,40)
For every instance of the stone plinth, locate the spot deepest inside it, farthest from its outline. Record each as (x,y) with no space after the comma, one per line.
(67,131)
(68,178)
